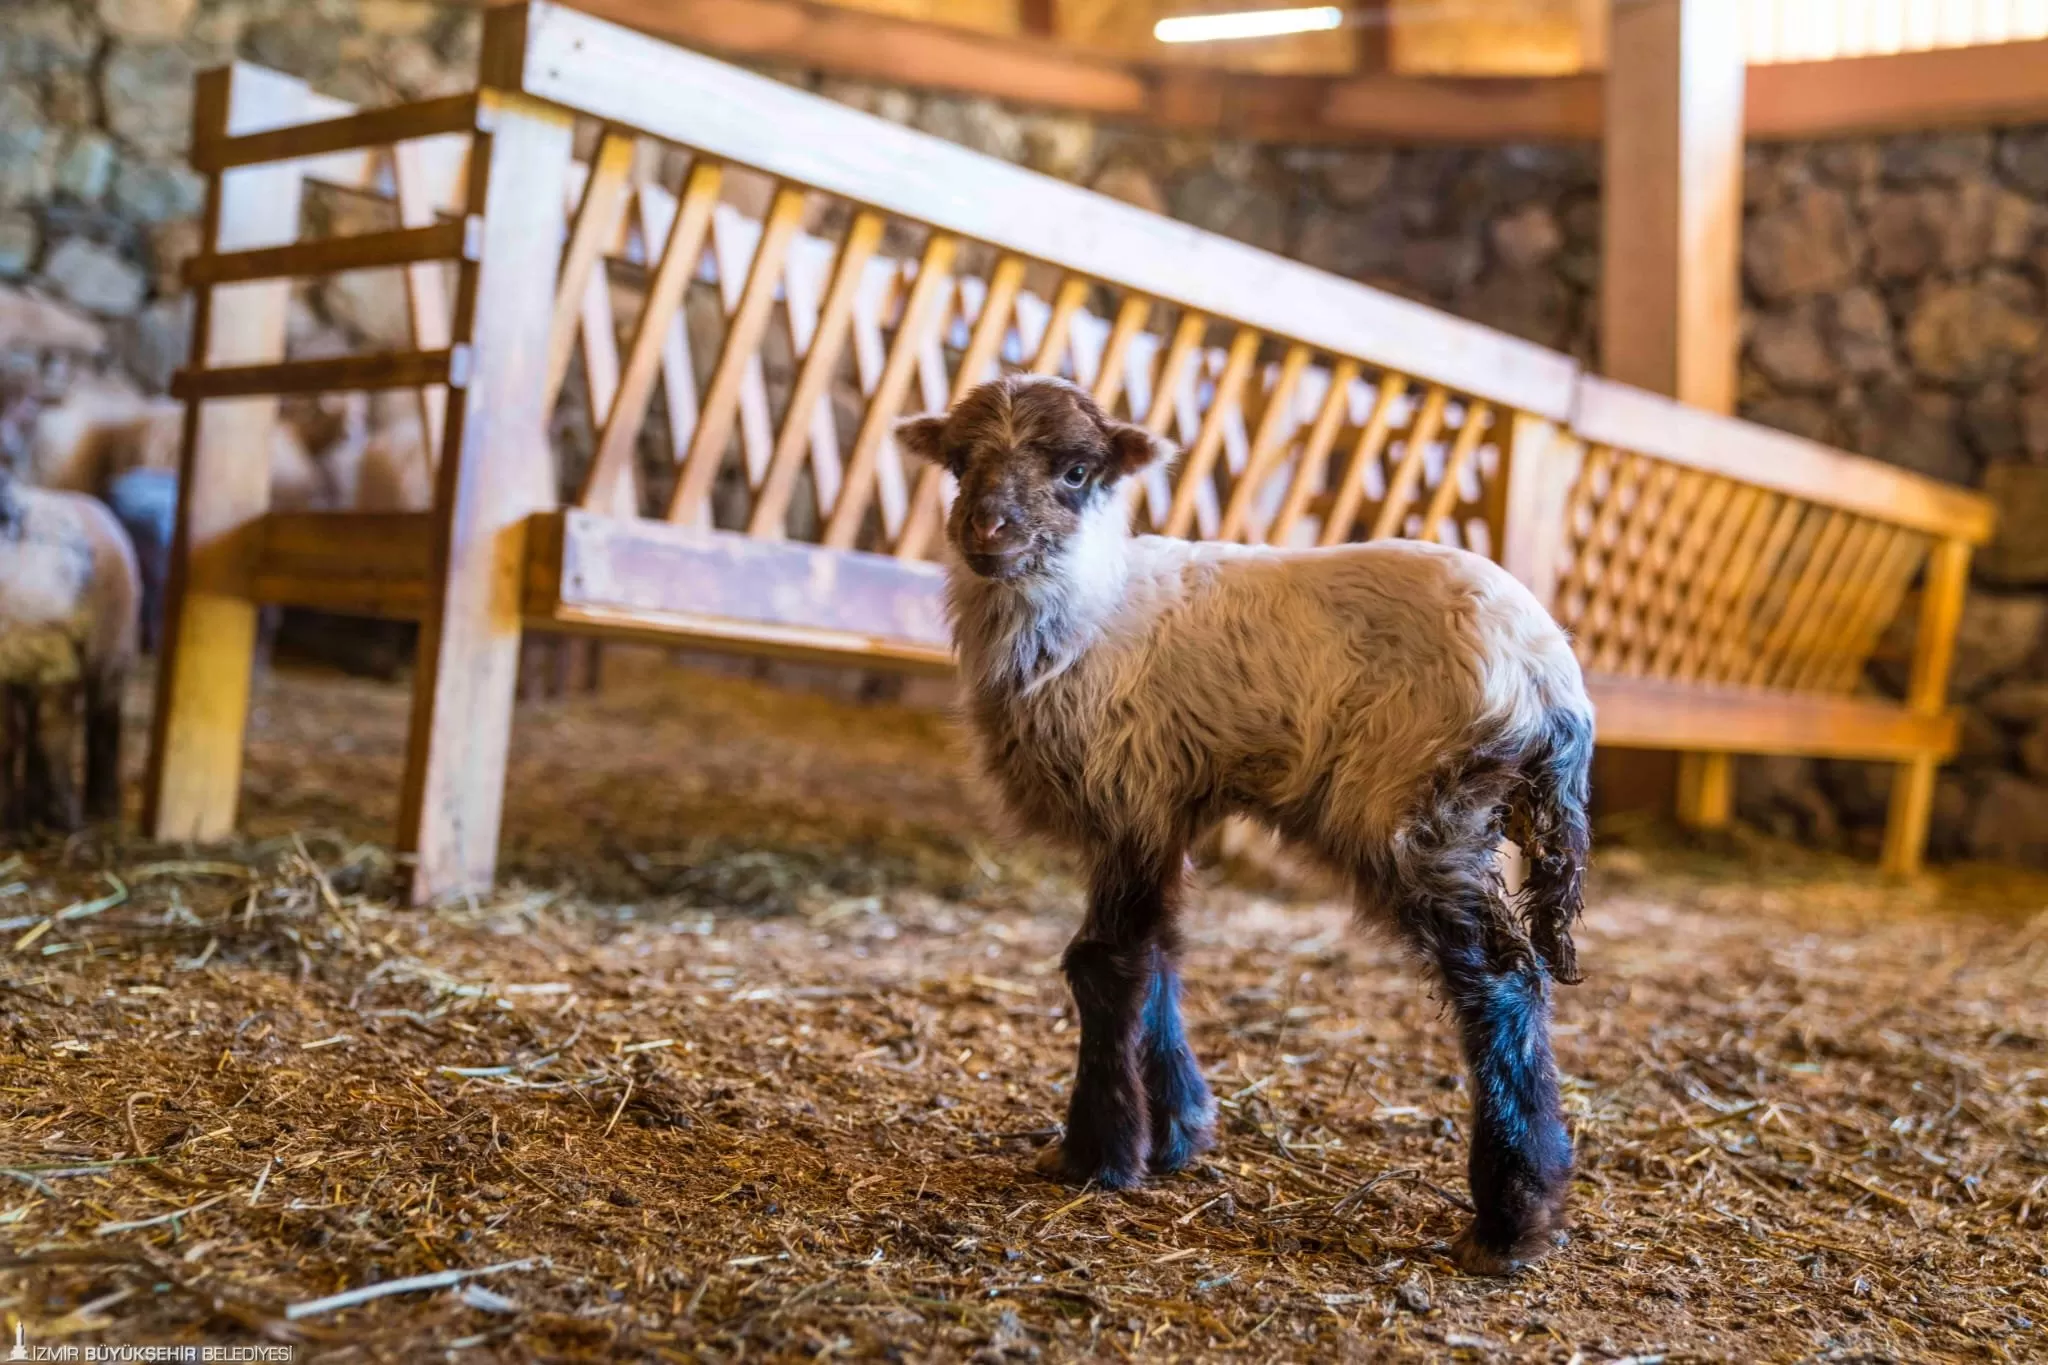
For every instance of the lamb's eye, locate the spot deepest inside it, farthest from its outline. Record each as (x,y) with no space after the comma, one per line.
(1075,476)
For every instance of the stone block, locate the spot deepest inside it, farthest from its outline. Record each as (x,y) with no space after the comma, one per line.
(146,18)
(2018,552)
(1802,248)
(2011,822)
(95,277)
(1968,333)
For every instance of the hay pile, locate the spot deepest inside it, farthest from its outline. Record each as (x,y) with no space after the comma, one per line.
(750,1056)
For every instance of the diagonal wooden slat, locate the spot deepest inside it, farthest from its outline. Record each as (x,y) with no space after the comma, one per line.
(1407,475)
(734,241)
(1741,633)
(1792,616)
(1904,554)
(1085,342)
(1823,632)
(1599,554)
(1651,599)
(883,286)
(1201,457)
(599,329)
(1310,468)
(742,337)
(1276,429)
(1162,408)
(657,212)
(1778,605)
(1478,417)
(933,277)
(1131,317)
(1617,597)
(1052,347)
(1697,654)
(814,378)
(977,363)
(1349,490)
(1582,510)
(1196,383)
(1675,563)
(658,315)
(595,226)
(804,281)
(1187,335)
(1696,562)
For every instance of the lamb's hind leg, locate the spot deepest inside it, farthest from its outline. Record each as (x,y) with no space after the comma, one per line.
(1110,969)
(103,747)
(1182,1112)
(1521,1155)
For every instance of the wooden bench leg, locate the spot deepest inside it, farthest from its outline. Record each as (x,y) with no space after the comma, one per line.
(1706,790)
(496,470)
(1905,827)
(209,638)
(1934,645)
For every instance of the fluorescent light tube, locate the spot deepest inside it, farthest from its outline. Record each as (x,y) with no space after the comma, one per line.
(1263,23)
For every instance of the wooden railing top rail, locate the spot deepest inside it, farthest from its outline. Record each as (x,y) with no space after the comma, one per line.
(1632,419)
(613,73)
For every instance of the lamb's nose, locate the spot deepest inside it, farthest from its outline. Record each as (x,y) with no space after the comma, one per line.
(987,526)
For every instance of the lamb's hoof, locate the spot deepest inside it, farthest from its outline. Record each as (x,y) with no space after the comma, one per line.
(1053,1164)
(1179,1143)
(1477,1256)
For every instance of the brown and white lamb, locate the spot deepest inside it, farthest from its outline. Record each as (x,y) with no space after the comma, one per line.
(1394,709)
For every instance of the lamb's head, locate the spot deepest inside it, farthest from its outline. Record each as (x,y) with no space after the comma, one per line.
(1040,468)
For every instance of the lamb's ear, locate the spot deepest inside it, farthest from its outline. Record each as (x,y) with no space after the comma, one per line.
(924,437)
(1133,448)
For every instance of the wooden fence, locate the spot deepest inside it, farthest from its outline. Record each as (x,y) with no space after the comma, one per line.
(742,287)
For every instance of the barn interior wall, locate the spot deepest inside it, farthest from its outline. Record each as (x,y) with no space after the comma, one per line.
(1894,287)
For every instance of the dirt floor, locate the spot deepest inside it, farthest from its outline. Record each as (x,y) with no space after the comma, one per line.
(750,1057)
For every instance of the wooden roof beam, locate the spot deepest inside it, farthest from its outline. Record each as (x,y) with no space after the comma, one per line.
(2003,83)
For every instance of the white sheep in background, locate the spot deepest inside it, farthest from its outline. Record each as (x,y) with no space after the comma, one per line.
(69,598)
(1394,709)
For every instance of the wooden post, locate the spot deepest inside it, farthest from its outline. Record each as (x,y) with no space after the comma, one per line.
(496,470)
(209,641)
(1934,647)
(1542,465)
(1670,296)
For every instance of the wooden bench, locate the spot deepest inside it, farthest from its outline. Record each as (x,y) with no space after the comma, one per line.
(796,275)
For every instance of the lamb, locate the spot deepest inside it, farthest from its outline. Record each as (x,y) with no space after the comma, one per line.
(69,593)
(1392,709)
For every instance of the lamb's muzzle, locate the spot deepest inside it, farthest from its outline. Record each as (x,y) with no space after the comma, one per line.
(1394,709)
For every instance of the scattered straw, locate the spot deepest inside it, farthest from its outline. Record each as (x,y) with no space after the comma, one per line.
(1811,1109)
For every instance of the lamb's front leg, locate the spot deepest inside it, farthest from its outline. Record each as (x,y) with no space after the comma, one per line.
(1110,969)
(1183,1113)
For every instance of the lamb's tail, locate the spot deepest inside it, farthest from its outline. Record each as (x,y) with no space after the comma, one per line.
(1551,825)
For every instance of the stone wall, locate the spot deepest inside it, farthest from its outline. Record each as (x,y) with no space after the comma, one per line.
(1894,287)
(1895,307)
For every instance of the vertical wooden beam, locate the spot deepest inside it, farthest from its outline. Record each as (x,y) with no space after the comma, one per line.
(203,673)
(1039,18)
(1375,50)
(1670,296)
(1934,648)
(496,471)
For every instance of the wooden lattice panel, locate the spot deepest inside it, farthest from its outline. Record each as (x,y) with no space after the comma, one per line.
(1674,572)
(785,332)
